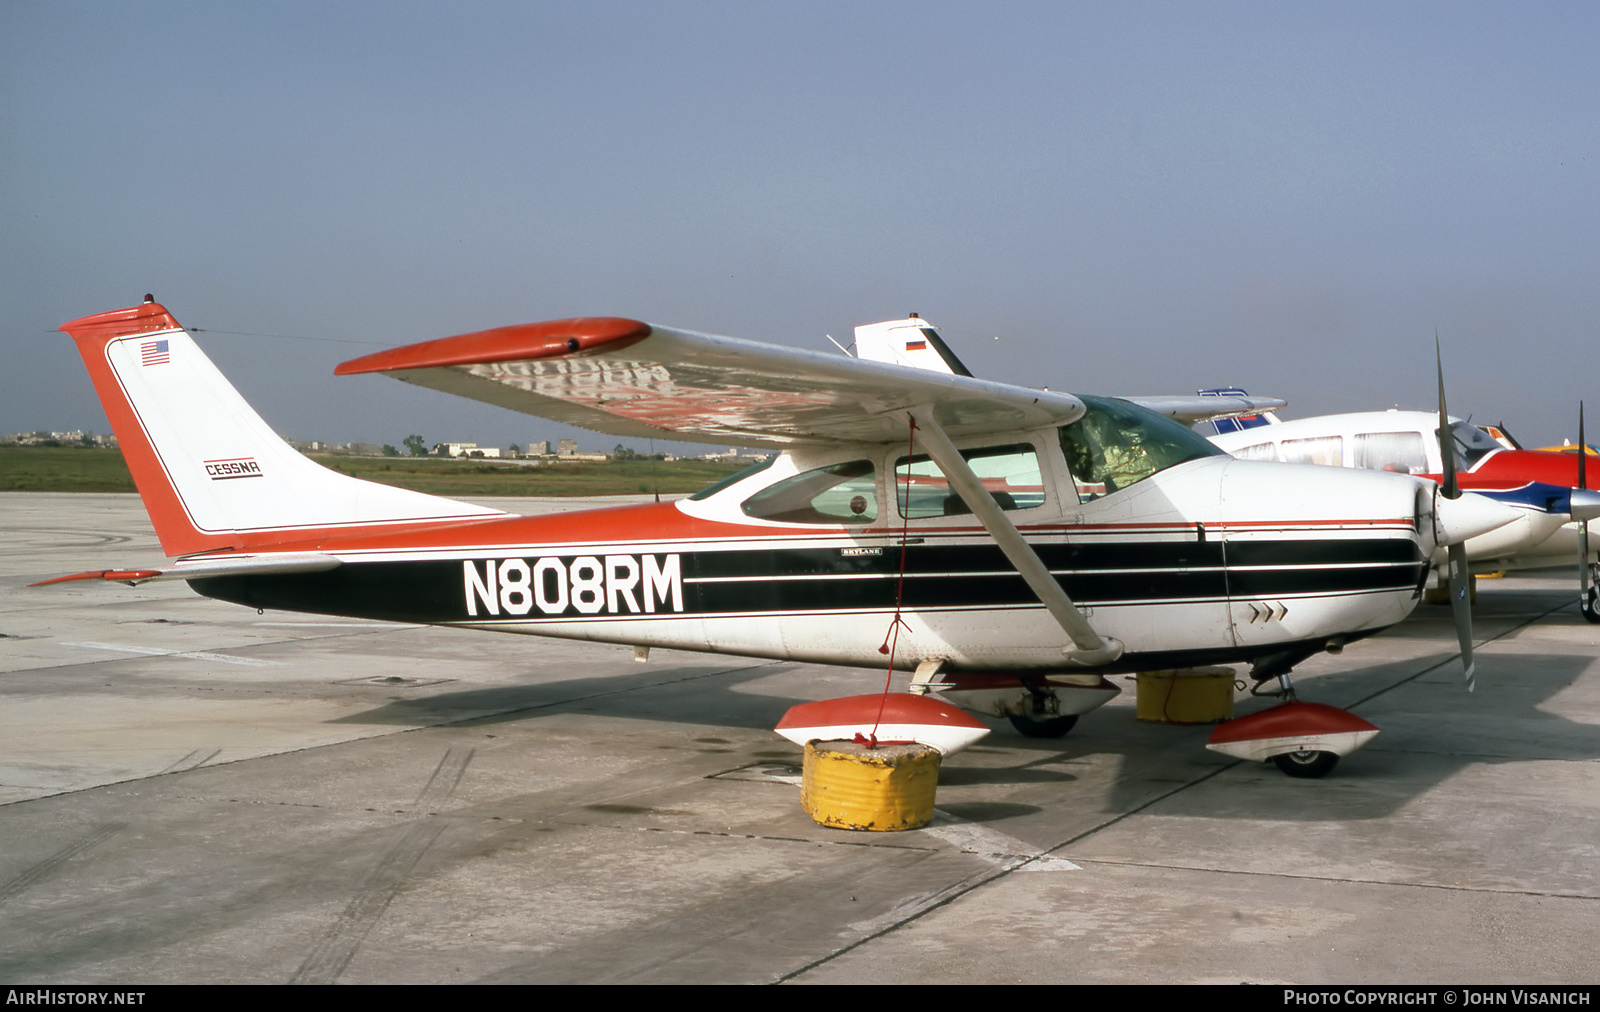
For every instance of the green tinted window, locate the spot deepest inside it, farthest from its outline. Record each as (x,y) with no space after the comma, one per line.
(836,494)
(1116,444)
(1010,473)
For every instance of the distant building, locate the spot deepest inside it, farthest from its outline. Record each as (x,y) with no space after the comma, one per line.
(465,450)
(77,437)
(539,449)
(567,447)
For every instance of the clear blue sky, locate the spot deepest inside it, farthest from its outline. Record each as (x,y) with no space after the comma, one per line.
(1133,198)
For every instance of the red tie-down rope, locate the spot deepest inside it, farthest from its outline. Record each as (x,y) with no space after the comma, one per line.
(891,639)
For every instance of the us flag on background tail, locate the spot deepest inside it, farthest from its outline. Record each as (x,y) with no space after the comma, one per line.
(154,353)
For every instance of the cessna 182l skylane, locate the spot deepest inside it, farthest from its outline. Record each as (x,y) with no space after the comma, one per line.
(1024,543)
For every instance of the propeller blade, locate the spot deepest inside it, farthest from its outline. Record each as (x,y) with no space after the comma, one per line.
(1461,609)
(1460,579)
(1588,606)
(1447,443)
(1583,452)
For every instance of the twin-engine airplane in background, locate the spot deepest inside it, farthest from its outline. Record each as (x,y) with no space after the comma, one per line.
(1011,546)
(1553,491)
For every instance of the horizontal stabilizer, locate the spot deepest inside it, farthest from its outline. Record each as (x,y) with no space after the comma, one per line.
(199,569)
(1193,408)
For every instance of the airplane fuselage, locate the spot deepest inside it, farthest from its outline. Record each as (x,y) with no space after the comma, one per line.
(1188,566)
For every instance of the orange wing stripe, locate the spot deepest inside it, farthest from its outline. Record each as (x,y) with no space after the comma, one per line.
(552,339)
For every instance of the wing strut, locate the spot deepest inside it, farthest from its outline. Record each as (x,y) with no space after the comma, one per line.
(1093,649)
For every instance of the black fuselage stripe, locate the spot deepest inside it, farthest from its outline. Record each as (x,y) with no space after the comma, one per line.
(779,581)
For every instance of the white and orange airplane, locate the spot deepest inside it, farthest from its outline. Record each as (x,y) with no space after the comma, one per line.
(1010,546)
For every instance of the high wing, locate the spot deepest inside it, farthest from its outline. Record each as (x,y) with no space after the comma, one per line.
(628,378)
(1192,409)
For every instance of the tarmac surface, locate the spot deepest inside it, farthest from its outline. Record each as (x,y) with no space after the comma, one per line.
(194,792)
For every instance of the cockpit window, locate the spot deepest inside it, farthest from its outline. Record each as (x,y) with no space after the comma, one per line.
(1325,450)
(1472,444)
(1117,443)
(733,479)
(836,494)
(1257,451)
(1010,473)
(1400,452)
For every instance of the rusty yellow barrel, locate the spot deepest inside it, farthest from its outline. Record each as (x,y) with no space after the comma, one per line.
(1186,695)
(851,786)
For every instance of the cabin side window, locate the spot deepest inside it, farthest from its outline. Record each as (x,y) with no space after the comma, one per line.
(1117,443)
(1400,452)
(1325,450)
(1259,451)
(837,494)
(1010,474)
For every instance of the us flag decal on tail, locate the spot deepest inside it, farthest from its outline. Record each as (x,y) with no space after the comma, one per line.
(154,353)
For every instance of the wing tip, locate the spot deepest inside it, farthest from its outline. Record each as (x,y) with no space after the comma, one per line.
(551,339)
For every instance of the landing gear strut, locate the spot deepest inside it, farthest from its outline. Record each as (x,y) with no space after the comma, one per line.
(1589,604)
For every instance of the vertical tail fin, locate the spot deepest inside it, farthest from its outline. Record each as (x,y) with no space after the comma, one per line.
(211,472)
(911,342)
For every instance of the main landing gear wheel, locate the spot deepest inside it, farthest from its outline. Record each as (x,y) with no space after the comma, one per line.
(1307,765)
(1044,727)
(1589,604)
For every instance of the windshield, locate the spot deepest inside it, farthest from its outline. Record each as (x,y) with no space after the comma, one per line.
(1472,444)
(1116,444)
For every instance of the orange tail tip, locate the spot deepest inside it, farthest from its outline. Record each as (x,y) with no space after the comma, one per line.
(148,318)
(211,472)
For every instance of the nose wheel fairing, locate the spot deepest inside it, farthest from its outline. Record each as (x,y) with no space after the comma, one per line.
(1303,739)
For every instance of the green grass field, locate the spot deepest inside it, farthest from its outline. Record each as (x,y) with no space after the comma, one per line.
(62,469)
(71,469)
